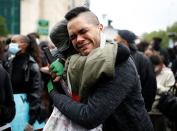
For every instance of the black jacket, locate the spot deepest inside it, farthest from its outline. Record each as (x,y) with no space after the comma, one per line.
(7,104)
(116,103)
(147,77)
(31,84)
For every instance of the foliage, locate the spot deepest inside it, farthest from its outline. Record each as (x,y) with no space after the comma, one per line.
(162,34)
(3,27)
(172,28)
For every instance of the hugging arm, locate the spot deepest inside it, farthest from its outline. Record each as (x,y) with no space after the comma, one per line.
(107,96)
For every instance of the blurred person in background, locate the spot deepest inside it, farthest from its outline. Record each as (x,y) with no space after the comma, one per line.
(156,46)
(7,104)
(45,77)
(165,79)
(149,51)
(24,69)
(142,46)
(143,65)
(6,55)
(174,60)
(45,100)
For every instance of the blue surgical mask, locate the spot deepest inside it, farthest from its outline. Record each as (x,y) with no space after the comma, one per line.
(14,48)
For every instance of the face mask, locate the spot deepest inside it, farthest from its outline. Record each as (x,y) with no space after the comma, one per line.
(14,48)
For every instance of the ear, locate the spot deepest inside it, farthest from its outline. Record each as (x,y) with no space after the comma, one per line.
(100,27)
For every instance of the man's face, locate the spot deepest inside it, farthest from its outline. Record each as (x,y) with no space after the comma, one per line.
(84,36)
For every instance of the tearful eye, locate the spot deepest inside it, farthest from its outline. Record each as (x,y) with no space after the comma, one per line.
(80,32)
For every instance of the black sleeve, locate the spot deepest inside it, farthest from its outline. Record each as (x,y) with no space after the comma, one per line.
(107,96)
(148,82)
(7,112)
(174,67)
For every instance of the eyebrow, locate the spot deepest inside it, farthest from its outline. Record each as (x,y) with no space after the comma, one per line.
(80,31)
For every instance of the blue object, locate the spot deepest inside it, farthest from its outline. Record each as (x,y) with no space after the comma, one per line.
(14,48)
(22,114)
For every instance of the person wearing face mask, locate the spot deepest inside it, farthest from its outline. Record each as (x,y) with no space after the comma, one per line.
(165,79)
(26,83)
(14,48)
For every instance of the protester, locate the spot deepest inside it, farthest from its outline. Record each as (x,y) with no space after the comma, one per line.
(46,103)
(6,54)
(7,104)
(165,79)
(26,83)
(142,46)
(156,46)
(143,65)
(115,102)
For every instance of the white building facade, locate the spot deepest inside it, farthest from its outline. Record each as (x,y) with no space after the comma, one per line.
(31,11)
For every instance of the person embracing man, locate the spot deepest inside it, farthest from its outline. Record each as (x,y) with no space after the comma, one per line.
(115,102)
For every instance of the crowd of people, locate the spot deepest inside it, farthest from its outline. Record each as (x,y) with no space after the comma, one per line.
(97,84)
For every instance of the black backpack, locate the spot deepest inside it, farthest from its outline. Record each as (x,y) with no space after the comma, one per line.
(168,104)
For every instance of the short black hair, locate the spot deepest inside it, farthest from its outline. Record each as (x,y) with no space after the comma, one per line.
(156,43)
(8,40)
(75,12)
(127,35)
(156,59)
(157,39)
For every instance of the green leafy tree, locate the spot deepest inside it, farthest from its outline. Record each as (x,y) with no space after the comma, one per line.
(3,27)
(172,28)
(162,34)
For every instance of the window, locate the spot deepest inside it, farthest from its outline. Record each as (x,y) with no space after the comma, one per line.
(10,10)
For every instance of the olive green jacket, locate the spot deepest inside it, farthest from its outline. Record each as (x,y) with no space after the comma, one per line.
(84,71)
